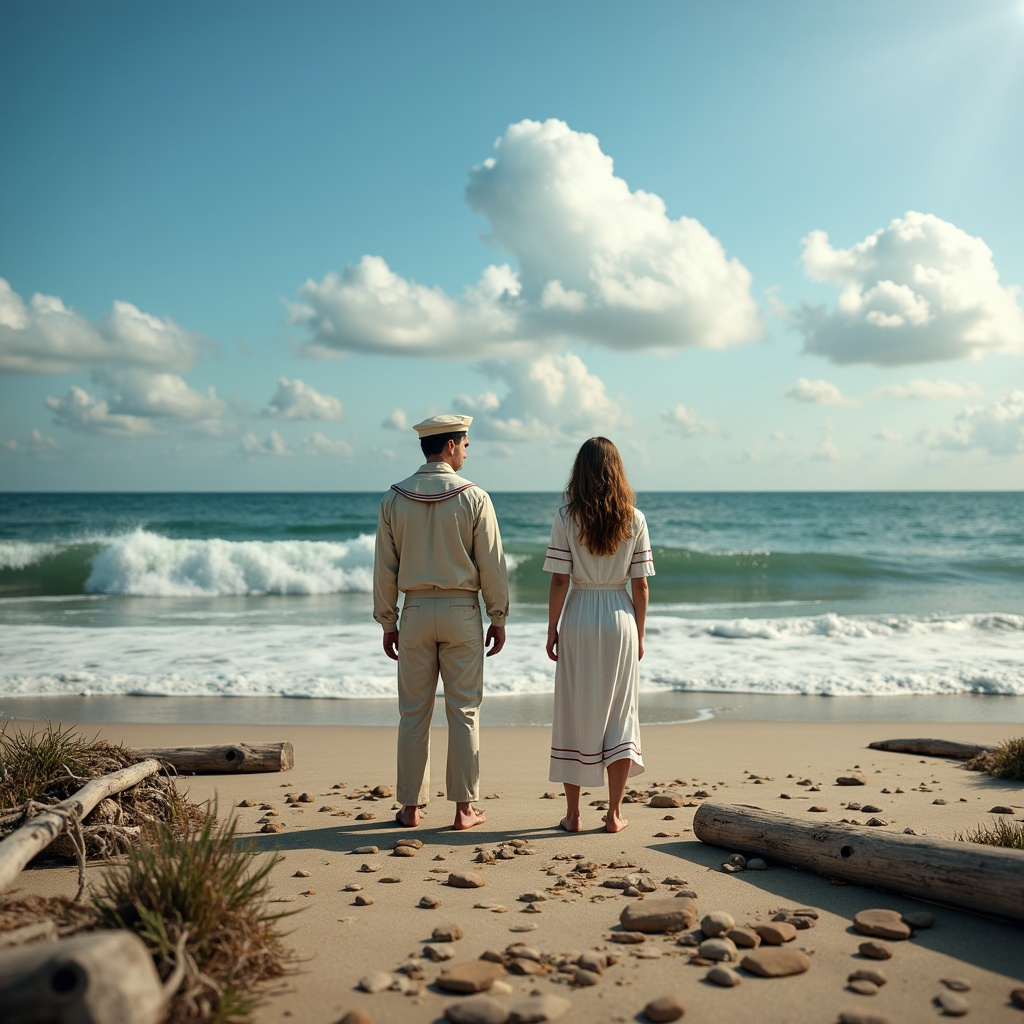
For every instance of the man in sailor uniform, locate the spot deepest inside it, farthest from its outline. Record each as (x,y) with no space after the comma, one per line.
(438,544)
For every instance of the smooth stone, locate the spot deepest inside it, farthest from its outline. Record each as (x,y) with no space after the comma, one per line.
(378,981)
(919,919)
(586,978)
(357,1016)
(951,1004)
(853,779)
(429,902)
(365,850)
(540,1008)
(776,961)
(592,961)
(627,938)
(659,916)
(873,974)
(1001,809)
(776,933)
(724,976)
(404,851)
(883,924)
(746,938)
(957,984)
(438,951)
(470,976)
(664,1008)
(447,933)
(717,949)
(757,864)
(363,901)
(875,950)
(863,987)
(466,879)
(666,800)
(477,1010)
(1017,998)
(718,922)
(415,844)
(860,1017)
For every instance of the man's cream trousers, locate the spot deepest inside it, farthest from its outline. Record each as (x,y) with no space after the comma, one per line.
(439,634)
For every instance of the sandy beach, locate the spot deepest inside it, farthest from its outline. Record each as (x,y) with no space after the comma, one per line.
(337,942)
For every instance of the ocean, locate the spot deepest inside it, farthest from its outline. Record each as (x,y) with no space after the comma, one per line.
(764,605)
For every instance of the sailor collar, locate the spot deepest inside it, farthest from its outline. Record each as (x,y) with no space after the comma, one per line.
(433,481)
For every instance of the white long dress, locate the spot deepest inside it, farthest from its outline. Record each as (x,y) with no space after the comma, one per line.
(596,717)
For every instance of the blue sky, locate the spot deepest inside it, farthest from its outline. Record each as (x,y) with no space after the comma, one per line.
(760,245)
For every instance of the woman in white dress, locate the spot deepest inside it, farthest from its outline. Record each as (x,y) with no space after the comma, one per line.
(599,542)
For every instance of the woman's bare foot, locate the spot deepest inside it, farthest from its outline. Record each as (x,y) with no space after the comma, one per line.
(408,817)
(467,816)
(571,823)
(614,823)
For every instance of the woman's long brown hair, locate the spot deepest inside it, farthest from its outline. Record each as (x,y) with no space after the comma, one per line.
(599,496)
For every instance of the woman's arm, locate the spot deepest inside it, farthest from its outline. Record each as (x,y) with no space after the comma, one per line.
(556,601)
(638,585)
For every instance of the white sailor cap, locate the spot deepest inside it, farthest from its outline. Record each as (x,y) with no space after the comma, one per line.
(446,424)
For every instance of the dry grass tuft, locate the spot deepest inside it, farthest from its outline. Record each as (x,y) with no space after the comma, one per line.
(1009,834)
(1004,762)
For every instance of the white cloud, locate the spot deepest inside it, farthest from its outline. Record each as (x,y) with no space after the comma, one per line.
(827,450)
(817,392)
(78,410)
(687,422)
(295,400)
(921,290)
(997,428)
(274,446)
(554,396)
(887,436)
(594,261)
(45,336)
(396,421)
(157,395)
(927,390)
(317,444)
(37,443)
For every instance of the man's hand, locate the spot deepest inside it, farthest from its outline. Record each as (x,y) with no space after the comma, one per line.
(391,645)
(495,635)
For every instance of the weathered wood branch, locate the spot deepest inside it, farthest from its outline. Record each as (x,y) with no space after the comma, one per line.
(96,978)
(971,876)
(17,849)
(932,748)
(215,760)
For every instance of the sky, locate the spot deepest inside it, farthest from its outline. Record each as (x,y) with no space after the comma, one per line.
(761,245)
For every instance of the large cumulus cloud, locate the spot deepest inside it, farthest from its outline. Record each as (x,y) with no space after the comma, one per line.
(591,260)
(920,290)
(997,428)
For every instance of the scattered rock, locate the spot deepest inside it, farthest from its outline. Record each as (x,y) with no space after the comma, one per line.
(875,975)
(1001,809)
(415,844)
(860,1017)
(875,950)
(477,1010)
(876,822)
(776,961)
(301,874)
(369,868)
(757,864)
(863,987)
(439,951)
(627,938)
(540,1008)
(957,984)
(666,800)
(403,851)
(746,938)
(363,901)
(470,976)
(951,1004)
(364,850)
(272,826)
(466,879)
(718,949)
(718,922)
(383,792)
(447,933)
(532,897)
(919,919)
(724,976)
(357,1016)
(883,924)
(429,902)
(664,1008)
(659,915)
(853,779)
(776,933)
(378,981)
(365,816)
(585,978)
(592,961)
(1017,998)
(818,809)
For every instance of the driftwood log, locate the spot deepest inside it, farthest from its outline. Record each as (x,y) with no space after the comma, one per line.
(971,876)
(932,748)
(216,760)
(17,849)
(100,978)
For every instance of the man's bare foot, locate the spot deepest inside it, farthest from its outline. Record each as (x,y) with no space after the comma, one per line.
(614,823)
(408,817)
(467,816)
(571,823)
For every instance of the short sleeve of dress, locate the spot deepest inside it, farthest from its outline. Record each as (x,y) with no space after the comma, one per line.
(642,563)
(558,557)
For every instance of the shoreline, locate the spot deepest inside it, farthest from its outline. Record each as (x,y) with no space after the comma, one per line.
(337,943)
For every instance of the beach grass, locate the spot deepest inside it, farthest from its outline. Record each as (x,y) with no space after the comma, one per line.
(1005,761)
(1009,834)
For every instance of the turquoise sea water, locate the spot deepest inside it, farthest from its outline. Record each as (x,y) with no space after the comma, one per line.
(757,596)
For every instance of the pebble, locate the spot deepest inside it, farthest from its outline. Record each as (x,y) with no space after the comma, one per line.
(951,1004)
(776,961)
(586,978)
(957,984)
(746,938)
(875,950)
(540,1008)
(272,826)
(883,924)
(592,961)
(1001,809)
(1017,998)
(439,951)
(363,901)
(666,800)
(757,864)
(415,844)
(364,850)
(718,922)
(863,987)
(853,779)
(627,938)
(919,919)
(352,887)
(368,868)
(717,949)
(477,1010)
(301,874)
(358,1016)
(724,976)
(675,880)
(365,816)
(873,974)
(470,976)
(447,933)
(466,879)
(659,915)
(378,981)
(818,809)
(664,1008)
(403,851)
(429,902)
(776,933)
(859,1017)
(876,822)
(532,897)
